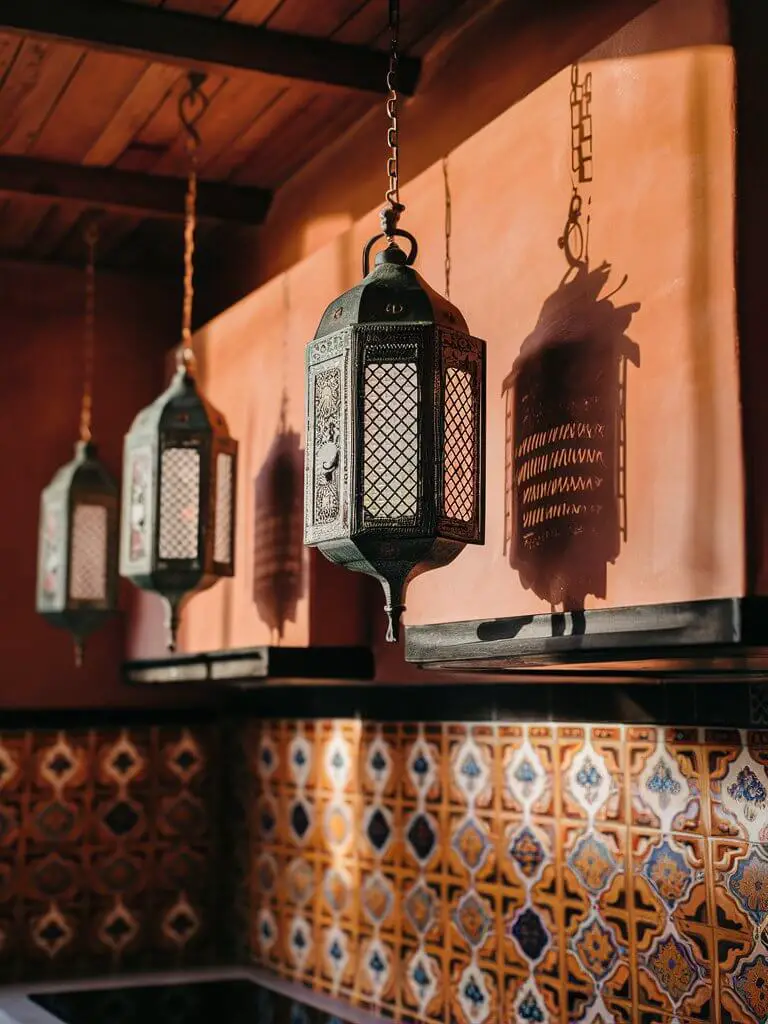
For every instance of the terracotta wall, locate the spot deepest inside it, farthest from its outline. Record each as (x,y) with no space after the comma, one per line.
(464,873)
(655,304)
(39,416)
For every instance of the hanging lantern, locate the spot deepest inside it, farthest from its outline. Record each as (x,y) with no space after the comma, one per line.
(77,548)
(395,395)
(179,467)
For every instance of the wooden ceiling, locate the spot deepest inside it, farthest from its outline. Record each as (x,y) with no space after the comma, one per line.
(89,85)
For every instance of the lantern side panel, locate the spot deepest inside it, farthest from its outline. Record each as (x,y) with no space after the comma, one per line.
(89,554)
(222,540)
(51,578)
(138,511)
(179,506)
(460,423)
(328,439)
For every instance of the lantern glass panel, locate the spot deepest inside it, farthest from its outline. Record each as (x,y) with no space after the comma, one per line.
(138,507)
(460,443)
(51,569)
(222,541)
(88,554)
(391,441)
(179,504)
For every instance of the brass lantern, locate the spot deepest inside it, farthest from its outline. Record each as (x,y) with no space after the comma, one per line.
(395,417)
(78,538)
(179,466)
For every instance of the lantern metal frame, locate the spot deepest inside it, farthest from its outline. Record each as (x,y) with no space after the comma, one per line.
(178,527)
(77,570)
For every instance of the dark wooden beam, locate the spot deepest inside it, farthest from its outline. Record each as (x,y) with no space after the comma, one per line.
(146,195)
(203,44)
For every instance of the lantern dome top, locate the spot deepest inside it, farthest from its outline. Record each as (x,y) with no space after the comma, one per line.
(393,292)
(84,469)
(181,405)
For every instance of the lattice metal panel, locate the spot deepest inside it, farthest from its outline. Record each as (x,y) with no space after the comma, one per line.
(88,569)
(222,541)
(179,503)
(391,440)
(459,452)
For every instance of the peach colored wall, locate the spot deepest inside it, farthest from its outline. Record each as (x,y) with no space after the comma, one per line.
(661,214)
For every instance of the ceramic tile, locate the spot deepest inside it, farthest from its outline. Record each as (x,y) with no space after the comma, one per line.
(738,774)
(591,765)
(667,779)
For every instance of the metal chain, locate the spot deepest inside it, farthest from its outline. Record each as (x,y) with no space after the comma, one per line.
(390,215)
(192,105)
(448,227)
(90,235)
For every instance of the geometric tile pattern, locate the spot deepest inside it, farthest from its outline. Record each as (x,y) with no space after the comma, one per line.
(107,849)
(516,872)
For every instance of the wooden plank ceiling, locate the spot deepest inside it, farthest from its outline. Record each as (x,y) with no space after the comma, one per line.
(67,103)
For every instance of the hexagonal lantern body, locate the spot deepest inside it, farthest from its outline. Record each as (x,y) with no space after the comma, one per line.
(179,482)
(395,403)
(77,549)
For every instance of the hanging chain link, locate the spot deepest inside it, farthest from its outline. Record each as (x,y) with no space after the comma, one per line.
(390,215)
(192,105)
(90,236)
(448,227)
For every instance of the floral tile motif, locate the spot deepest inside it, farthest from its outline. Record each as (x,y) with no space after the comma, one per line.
(666,769)
(593,782)
(739,790)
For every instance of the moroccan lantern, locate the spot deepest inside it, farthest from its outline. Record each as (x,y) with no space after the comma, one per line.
(179,466)
(395,399)
(78,538)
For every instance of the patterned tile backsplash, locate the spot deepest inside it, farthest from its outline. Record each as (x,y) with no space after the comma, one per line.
(107,849)
(516,873)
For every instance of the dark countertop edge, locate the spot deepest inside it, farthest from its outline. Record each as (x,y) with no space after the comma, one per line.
(14,999)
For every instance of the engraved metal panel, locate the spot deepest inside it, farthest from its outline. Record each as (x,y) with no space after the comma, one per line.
(391,441)
(179,503)
(88,558)
(138,509)
(52,554)
(326,483)
(327,403)
(222,542)
(460,445)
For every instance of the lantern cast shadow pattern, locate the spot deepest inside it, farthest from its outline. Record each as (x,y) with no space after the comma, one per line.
(179,486)
(278,551)
(395,402)
(77,549)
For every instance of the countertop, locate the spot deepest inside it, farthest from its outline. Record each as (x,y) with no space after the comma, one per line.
(16,1006)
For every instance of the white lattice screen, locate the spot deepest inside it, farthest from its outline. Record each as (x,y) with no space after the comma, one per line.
(88,567)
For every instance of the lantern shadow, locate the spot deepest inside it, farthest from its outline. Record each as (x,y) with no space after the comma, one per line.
(566,441)
(278,531)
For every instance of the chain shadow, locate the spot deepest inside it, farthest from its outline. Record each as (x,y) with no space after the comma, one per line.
(566,440)
(278,531)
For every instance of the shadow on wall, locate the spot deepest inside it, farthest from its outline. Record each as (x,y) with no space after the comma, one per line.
(278,530)
(565,494)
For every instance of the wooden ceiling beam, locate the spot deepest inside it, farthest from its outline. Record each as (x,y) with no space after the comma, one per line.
(203,44)
(146,195)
